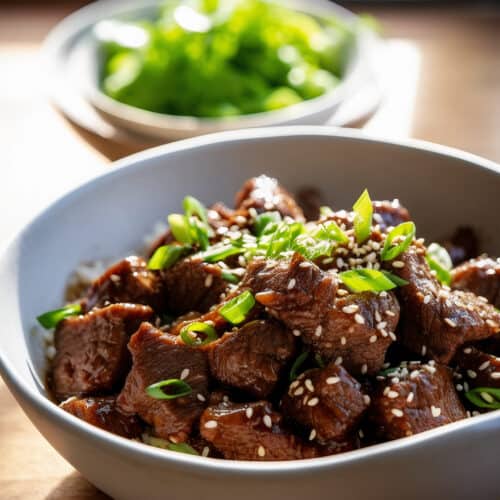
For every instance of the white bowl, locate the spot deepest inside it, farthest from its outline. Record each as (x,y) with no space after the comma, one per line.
(110,214)
(72,47)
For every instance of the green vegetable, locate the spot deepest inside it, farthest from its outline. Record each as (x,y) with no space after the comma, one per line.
(263,220)
(177,389)
(51,319)
(363,213)
(398,240)
(297,364)
(236,310)
(229,276)
(181,229)
(192,206)
(208,333)
(369,280)
(330,230)
(217,253)
(166,256)
(484,397)
(182,448)
(439,261)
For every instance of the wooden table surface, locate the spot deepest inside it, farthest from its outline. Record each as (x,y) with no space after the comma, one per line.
(453,98)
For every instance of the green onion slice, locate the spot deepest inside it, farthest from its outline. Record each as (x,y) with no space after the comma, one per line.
(319,360)
(220,252)
(297,364)
(484,397)
(326,212)
(439,261)
(395,279)
(369,280)
(229,276)
(236,310)
(182,448)
(51,319)
(403,234)
(200,233)
(263,220)
(363,213)
(203,333)
(167,445)
(166,256)
(330,230)
(192,206)
(181,229)
(177,389)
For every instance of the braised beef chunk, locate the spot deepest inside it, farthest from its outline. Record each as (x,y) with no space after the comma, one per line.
(358,328)
(414,398)
(389,213)
(480,276)
(103,413)
(252,357)
(91,350)
(478,368)
(193,285)
(310,201)
(327,402)
(251,431)
(160,356)
(463,245)
(264,194)
(435,320)
(127,281)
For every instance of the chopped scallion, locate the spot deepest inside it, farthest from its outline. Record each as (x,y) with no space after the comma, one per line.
(178,388)
(398,240)
(484,397)
(229,276)
(181,229)
(363,213)
(217,253)
(297,365)
(198,333)
(182,448)
(236,310)
(330,230)
(166,256)
(368,280)
(51,319)
(325,212)
(263,220)
(192,206)
(440,262)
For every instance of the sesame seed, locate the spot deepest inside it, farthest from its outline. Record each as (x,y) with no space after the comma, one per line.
(378,318)
(267,421)
(305,264)
(205,451)
(350,309)
(299,391)
(364,368)
(396,412)
(381,325)
(414,374)
(373,339)
(201,397)
(427,299)
(361,434)
(431,369)
(297,333)
(335,380)
(436,411)
(410,397)
(309,385)
(450,322)
(249,412)
(291,284)
(366,399)
(491,323)
(343,340)
(383,294)
(341,292)
(359,319)
(495,375)
(318,331)
(487,397)
(467,350)
(390,313)
(471,373)
(211,424)
(484,365)
(209,280)
(338,361)
(459,387)
(466,386)
(51,352)
(184,374)
(261,451)
(423,351)
(312,435)
(398,264)
(392,394)
(313,402)
(395,380)
(393,336)
(328,260)
(294,384)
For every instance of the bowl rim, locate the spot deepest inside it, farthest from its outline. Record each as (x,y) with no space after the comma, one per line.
(141,452)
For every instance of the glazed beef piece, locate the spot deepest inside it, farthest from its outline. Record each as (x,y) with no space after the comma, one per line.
(251,431)
(415,398)
(355,329)
(463,245)
(128,281)
(160,356)
(193,285)
(389,213)
(480,276)
(264,194)
(310,201)
(478,368)
(437,321)
(327,402)
(252,357)
(103,413)
(91,350)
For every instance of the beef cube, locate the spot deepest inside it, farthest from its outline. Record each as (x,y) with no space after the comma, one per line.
(264,194)
(356,329)
(193,285)
(437,321)
(463,245)
(389,214)
(480,276)
(91,350)
(414,398)
(479,368)
(128,281)
(328,402)
(160,356)
(310,201)
(252,357)
(103,413)
(251,431)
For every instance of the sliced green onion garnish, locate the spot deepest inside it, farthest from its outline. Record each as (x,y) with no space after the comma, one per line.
(319,360)
(182,448)
(236,310)
(180,227)
(297,364)
(263,220)
(363,212)
(395,279)
(439,261)
(192,206)
(220,252)
(177,389)
(229,276)
(484,397)
(404,234)
(198,333)
(200,233)
(51,319)
(326,212)
(367,280)
(166,256)
(330,230)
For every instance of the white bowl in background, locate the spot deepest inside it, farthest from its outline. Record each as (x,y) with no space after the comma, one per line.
(107,216)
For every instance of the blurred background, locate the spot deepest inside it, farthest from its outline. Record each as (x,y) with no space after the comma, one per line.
(435,75)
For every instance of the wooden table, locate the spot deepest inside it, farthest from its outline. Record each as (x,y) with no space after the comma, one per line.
(456,102)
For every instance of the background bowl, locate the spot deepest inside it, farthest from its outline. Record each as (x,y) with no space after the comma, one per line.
(108,216)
